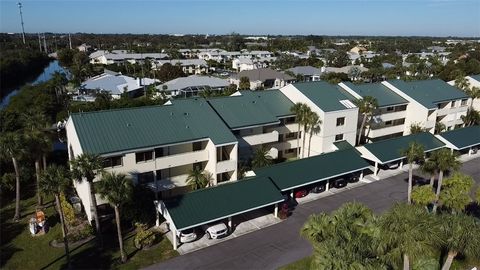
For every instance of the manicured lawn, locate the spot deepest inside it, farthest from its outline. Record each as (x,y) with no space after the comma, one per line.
(302,264)
(19,250)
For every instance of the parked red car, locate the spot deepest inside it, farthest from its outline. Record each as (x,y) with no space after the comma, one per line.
(301,193)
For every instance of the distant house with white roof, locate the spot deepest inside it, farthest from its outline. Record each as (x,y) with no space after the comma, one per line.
(189,66)
(244,63)
(115,84)
(192,85)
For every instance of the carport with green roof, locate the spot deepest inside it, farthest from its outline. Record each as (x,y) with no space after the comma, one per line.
(462,138)
(391,150)
(288,176)
(217,203)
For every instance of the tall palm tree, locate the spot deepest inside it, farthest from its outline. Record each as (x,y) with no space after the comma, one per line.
(474,93)
(261,158)
(461,235)
(416,128)
(314,123)
(53,181)
(445,160)
(88,166)
(423,196)
(11,147)
(38,141)
(366,106)
(298,109)
(306,112)
(404,236)
(117,189)
(414,153)
(196,179)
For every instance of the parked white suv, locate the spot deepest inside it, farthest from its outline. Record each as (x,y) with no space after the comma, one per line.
(186,236)
(216,231)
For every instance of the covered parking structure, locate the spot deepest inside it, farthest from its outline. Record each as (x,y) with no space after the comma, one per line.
(461,139)
(391,150)
(217,203)
(290,175)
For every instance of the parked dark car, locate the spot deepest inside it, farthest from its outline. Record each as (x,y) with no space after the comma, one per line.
(339,183)
(301,193)
(354,177)
(319,188)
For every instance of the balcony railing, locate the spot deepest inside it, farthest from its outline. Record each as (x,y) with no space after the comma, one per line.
(226,166)
(181,159)
(260,138)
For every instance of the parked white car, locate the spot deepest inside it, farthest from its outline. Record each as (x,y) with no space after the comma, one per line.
(187,236)
(216,231)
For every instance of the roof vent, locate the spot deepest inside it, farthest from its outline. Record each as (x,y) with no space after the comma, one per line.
(347,103)
(186,126)
(129,125)
(171,113)
(185,113)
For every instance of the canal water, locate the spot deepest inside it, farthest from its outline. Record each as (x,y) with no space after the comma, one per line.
(46,75)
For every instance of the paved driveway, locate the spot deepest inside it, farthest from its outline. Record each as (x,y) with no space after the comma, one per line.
(281,244)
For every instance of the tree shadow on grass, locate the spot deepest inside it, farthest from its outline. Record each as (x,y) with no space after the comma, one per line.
(6,252)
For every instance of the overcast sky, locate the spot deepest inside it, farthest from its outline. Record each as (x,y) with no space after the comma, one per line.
(320,17)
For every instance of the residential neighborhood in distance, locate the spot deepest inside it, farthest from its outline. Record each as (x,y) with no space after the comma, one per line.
(223,137)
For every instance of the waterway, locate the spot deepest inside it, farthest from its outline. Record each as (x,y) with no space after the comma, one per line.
(46,75)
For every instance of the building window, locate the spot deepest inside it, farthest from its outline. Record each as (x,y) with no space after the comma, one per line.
(197,146)
(453,104)
(288,120)
(389,109)
(388,123)
(290,135)
(464,102)
(161,152)
(338,137)
(144,178)
(289,151)
(110,162)
(401,108)
(340,121)
(143,156)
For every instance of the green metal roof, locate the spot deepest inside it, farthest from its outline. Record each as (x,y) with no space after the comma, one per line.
(325,95)
(429,92)
(342,145)
(391,149)
(252,108)
(385,97)
(104,132)
(463,137)
(219,202)
(297,173)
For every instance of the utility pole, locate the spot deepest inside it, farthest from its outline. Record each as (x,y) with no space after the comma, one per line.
(21,20)
(70,40)
(45,43)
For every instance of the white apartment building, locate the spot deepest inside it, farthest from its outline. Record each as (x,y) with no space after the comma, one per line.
(122,56)
(431,101)
(156,145)
(474,81)
(334,107)
(388,120)
(259,119)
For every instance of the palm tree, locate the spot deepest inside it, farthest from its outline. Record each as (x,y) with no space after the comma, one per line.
(196,179)
(474,93)
(344,239)
(261,158)
(117,189)
(439,127)
(403,234)
(53,181)
(423,196)
(456,192)
(444,160)
(208,178)
(12,148)
(461,235)
(462,82)
(366,106)
(429,167)
(314,123)
(416,128)
(297,110)
(306,112)
(88,166)
(38,141)
(414,153)
(471,118)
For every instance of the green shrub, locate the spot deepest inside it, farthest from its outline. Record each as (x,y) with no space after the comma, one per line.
(144,237)
(68,211)
(80,233)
